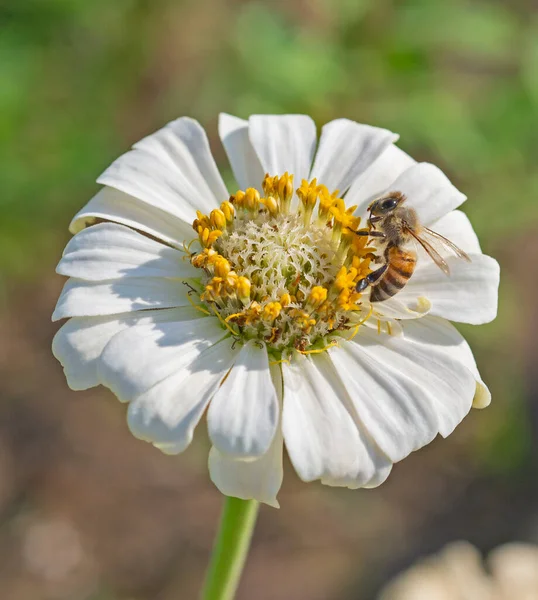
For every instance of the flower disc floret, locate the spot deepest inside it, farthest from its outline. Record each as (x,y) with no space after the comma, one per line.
(270,273)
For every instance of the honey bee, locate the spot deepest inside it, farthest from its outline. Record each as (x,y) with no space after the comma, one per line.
(398,226)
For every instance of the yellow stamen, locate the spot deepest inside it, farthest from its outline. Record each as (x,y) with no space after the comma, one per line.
(201,221)
(187,248)
(243,289)
(308,195)
(279,362)
(208,237)
(217,219)
(228,210)
(252,199)
(205,258)
(271,311)
(356,329)
(285,191)
(230,283)
(253,313)
(273,337)
(269,185)
(272,204)
(238,199)
(222,267)
(223,321)
(318,350)
(345,278)
(317,296)
(196,306)
(326,200)
(285,299)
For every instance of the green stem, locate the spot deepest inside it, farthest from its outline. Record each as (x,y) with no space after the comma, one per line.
(230,549)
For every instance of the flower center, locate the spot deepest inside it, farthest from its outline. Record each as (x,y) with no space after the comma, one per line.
(283,275)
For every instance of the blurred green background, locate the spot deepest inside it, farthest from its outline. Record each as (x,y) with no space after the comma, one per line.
(87,512)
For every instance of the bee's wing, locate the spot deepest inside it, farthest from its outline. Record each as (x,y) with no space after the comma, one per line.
(435,256)
(441,239)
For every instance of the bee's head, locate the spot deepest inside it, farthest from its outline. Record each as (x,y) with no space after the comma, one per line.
(386,204)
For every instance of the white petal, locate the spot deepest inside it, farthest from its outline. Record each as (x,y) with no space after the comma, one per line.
(395,308)
(258,479)
(378,177)
(428,191)
(284,143)
(245,163)
(112,205)
(172,169)
(407,389)
(346,150)
(482,397)
(78,345)
(244,413)
(88,299)
(321,435)
(111,251)
(153,349)
(467,295)
(458,229)
(167,413)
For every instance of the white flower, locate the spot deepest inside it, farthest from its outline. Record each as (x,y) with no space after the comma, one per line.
(457,572)
(258,321)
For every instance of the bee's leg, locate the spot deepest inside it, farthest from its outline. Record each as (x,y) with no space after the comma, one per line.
(364,232)
(371,279)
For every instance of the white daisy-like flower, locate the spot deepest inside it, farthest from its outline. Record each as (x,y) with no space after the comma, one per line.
(183,299)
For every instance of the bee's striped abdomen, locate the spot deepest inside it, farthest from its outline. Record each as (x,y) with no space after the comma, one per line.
(401,264)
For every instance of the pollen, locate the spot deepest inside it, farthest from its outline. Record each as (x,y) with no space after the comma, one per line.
(281,270)
(243,289)
(317,296)
(272,310)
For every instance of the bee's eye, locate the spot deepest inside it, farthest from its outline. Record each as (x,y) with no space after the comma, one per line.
(389,204)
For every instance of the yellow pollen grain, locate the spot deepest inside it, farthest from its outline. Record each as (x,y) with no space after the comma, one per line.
(201,260)
(271,311)
(345,278)
(238,199)
(253,313)
(317,296)
(285,187)
(269,185)
(202,221)
(243,289)
(308,193)
(222,267)
(326,201)
(230,283)
(208,237)
(252,199)
(344,217)
(228,211)
(211,292)
(217,219)
(285,299)
(272,204)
